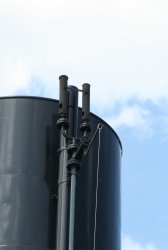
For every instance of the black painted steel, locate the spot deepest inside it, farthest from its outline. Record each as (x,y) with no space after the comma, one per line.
(29,140)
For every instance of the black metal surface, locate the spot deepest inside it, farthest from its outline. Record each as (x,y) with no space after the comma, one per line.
(108,213)
(29,140)
(28,160)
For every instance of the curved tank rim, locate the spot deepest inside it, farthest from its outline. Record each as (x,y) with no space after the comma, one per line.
(55,100)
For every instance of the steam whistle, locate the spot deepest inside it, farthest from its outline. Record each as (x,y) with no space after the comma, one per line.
(85,125)
(63,102)
(76,148)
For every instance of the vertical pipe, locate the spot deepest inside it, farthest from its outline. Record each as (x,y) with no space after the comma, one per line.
(73,117)
(86,102)
(63,95)
(62,197)
(62,207)
(73,110)
(72,208)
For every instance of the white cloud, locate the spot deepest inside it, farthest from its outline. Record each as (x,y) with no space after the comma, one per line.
(144,11)
(164,121)
(14,74)
(120,47)
(130,244)
(135,118)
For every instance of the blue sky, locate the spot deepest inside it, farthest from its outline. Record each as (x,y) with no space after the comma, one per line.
(121,48)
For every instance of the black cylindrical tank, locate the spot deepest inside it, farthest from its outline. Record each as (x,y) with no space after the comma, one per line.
(29,140)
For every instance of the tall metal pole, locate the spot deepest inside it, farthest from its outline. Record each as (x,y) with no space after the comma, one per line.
(72,208)
(62,207)
(62,197)
(73,117)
